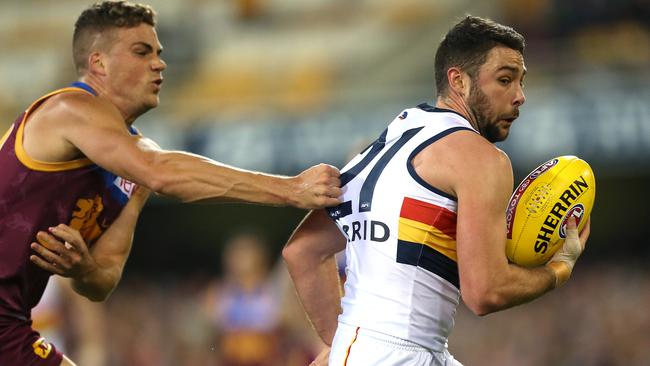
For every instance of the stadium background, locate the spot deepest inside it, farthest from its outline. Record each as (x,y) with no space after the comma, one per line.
(278,85)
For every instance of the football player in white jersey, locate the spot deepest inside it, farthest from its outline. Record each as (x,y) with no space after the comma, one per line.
(423,217)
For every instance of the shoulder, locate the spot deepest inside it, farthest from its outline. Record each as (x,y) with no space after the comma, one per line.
(466,150)
(461,161)
(483,172)
(78,108)
(470,152)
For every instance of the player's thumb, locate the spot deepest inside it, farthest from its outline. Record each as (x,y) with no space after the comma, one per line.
(572,229)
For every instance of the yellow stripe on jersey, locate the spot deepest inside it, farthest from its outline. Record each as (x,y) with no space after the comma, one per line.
(6,136)
(45,166)
(417,232)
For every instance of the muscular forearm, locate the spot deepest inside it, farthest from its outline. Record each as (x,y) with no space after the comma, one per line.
(192,178)
(319,290)
(522,285)
(502,285)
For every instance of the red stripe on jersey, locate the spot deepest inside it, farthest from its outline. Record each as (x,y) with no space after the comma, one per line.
(430,214)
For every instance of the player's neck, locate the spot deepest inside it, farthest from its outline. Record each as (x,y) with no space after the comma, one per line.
(102,91)
(94,83)
(457,103)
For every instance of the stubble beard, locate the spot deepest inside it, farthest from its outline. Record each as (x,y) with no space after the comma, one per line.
(480,106)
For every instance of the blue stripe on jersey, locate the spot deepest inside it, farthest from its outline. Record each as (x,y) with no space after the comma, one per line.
(345,208)
(414,174)
(109,179)
(376,147)
(422,256)
(428,108)
(84,86)
(368,188)
(89,89)
(109,182)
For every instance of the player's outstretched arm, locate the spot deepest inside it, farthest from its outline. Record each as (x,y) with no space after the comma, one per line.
(94,128)
(94,272)
(480,176)
(309,255)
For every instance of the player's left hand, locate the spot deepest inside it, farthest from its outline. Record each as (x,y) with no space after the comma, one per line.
(564,259)
(63,251)
(317,187)
(322,359)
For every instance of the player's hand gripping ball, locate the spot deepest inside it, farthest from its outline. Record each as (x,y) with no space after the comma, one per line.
(541,205)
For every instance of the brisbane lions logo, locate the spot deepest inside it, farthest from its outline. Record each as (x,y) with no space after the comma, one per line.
(84,218)
(41,348)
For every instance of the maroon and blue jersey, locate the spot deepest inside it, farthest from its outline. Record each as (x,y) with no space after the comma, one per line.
(35,195)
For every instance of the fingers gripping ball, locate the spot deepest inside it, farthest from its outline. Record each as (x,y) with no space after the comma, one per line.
(539,208)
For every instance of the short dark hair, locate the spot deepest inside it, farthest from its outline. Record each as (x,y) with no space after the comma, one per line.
(103,16)
(467,44)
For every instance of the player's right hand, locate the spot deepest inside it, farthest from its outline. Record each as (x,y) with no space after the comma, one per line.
(63,251)
(316,187)
(564,259)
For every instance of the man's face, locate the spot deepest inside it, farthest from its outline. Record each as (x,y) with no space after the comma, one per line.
(134,68)
(496,92)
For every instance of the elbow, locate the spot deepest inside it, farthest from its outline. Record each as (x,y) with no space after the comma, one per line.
(483,301)
(156,183)
(300,257)
(291,257)
(166,184)
(291,254)
(157,176)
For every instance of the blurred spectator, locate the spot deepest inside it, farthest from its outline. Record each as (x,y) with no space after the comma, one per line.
(249,9)
(137,330)
(245,304)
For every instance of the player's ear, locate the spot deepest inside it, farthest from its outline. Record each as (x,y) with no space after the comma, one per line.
(96,64)
(458,81)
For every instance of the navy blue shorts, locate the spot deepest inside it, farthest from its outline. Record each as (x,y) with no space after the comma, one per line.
(20,345)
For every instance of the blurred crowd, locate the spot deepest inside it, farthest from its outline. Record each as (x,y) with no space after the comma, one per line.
(249,316)
(272,85)
(600,318)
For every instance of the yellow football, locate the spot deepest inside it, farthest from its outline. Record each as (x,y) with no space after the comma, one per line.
(539,208)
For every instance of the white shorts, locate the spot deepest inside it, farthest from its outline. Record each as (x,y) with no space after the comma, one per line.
(353,346)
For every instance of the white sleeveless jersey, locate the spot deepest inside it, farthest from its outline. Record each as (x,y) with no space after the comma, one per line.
(402,277)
